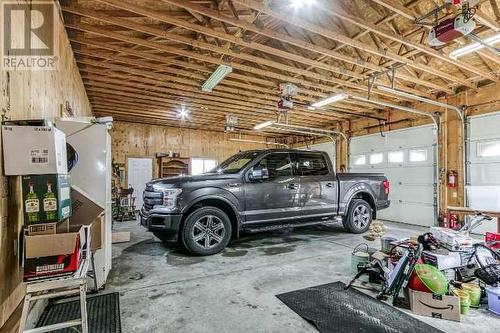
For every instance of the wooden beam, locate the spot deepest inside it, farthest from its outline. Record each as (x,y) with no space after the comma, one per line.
(300,43)
(349,41)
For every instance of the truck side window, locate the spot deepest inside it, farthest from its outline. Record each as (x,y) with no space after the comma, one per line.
(278,165)
(311,164)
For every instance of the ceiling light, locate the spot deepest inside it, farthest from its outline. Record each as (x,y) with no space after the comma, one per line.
(216,77)
(263,125)
(473,47)
(311,108)
(182,113)
(261,142)
(329,100)
(296,4)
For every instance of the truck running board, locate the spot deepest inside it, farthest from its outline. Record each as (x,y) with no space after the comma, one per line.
(287,225)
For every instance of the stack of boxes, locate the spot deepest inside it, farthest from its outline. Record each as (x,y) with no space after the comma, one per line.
(52,244)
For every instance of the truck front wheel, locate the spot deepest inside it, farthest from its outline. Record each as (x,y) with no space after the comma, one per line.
(359,217)
(206,231)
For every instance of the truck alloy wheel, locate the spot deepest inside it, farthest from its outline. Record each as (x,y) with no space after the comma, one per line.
(206,231)
(358,217)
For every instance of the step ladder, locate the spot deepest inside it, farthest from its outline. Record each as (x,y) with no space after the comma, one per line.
(58,287)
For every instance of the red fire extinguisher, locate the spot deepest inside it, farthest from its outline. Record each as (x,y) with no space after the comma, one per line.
(453,221)
(452,179)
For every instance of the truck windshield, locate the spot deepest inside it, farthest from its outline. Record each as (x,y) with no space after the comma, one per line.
(235,163)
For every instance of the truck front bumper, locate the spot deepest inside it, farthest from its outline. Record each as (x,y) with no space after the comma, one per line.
(165,223)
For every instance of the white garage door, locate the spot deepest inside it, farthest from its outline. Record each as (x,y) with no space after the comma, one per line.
(328,147)
(407,158)
(483,171)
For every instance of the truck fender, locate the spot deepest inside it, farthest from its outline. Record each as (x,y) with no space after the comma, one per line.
(352,192)
(217,196)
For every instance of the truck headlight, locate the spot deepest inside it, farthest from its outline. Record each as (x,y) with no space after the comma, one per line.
(170,197)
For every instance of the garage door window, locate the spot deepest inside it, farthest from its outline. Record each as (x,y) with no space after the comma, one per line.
(376,158)
(418,155)
(396,157)
(488,149)
(359,160)
(202,165)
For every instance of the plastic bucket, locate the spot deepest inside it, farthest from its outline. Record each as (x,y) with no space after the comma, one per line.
(474,293)
(428,279)
(493,299)
(359,256)
(385,244)
(465,302)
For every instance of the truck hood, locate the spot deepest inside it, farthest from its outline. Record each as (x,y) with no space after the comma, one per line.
(179,180)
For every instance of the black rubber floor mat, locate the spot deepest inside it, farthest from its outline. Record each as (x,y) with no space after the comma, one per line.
(330,308)
(103,312)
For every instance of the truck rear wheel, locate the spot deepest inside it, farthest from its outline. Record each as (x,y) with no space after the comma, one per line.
(206,231)
(359,217)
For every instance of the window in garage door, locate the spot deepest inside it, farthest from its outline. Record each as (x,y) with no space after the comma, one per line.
(406,157)
(483,165)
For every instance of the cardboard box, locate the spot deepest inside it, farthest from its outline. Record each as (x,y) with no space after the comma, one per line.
(444,259)
(87,212)
(34,150)
(46,198)
(436,306)
(52,255)
(452,239)
(42,229)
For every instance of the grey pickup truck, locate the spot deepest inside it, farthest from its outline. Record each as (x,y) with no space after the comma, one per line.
(260,190)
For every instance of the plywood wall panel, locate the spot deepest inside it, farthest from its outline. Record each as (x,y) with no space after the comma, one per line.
(133,140)
(31,95)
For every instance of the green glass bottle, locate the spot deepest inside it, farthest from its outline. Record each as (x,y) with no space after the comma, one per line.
(50,204)
(32,205)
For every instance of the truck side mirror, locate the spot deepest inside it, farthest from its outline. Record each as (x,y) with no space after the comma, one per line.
(258,173)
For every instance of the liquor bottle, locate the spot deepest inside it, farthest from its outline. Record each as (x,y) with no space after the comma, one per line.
(32,205)
(50,204)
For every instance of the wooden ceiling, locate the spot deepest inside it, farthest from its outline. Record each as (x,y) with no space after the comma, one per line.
(142,61)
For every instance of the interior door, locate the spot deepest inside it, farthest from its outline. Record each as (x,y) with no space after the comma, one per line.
(275,198)
(139,171)
(318,186)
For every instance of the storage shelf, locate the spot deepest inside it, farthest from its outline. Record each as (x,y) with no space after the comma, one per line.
(173,166)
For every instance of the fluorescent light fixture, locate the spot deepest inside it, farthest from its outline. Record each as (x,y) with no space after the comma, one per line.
(263,125)
(329,100)
(416,97)
(261,142)
(216,77)
(473,47)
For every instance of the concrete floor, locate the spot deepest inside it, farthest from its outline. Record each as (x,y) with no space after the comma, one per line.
(163,289)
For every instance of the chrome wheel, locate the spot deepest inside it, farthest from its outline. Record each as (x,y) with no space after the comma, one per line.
(361,216)
(208,231)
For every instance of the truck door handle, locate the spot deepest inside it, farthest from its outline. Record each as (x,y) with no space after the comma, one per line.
(293,186)
(329,184)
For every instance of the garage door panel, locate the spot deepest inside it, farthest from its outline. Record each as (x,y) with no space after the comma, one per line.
(422,194)
(484,127)
(483,189)
(422,175)
(485,174)
(412,182)
(417,214)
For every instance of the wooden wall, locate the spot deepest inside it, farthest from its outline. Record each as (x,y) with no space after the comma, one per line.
(142,140)
(31,95)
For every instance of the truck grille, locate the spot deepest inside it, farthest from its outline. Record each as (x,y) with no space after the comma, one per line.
(152,198)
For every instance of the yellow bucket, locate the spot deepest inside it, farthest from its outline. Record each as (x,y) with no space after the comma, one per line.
(474,293)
